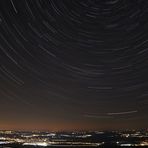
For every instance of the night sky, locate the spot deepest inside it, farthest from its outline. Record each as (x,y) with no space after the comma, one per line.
(73,64)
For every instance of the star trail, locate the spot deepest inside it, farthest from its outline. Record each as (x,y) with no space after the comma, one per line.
(73,64)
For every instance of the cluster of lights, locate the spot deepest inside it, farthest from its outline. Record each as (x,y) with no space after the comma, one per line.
(58,139)
(39,139)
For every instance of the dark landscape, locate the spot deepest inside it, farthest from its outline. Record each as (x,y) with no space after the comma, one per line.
(128,138)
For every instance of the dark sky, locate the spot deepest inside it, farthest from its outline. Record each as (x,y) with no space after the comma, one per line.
(73,64)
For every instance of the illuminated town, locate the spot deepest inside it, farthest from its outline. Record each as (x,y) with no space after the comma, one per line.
(73,139)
